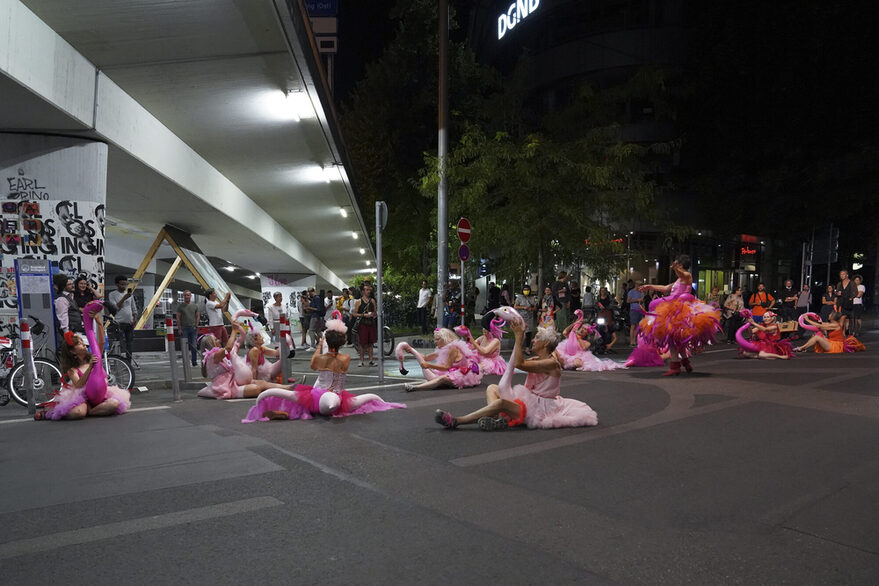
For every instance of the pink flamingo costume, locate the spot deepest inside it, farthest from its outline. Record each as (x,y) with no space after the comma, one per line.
(308,400)
(223,383)
(464,373)
(69,397)
(570,352)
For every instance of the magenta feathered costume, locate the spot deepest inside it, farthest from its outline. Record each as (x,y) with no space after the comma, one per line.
(680,321)
(307,403)
(570,352)
(463,373)
(69,397)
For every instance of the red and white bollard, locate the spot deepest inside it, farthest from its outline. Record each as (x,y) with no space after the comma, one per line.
(27,356)
(172,356)
(284,348)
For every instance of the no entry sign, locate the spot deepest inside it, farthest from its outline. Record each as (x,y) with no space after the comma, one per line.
(463,252)
(464,231)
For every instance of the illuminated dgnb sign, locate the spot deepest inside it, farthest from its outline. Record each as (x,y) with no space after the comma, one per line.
(517,11)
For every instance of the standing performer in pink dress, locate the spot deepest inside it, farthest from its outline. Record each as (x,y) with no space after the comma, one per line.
(537,403)
(487,346)
(453,364)
(72,401)
(573,352)
(328,396)
(217,365)
(679,323)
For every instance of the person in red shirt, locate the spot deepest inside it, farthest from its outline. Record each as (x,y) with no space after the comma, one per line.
(760,303)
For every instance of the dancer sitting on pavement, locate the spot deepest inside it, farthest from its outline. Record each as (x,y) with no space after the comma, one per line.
(487,346)
(573,352)
(537,403)
(328,395)
(260,368)
(766,341)
(216,364)
(453,364)
(836,341)
(679,323)
(78,364)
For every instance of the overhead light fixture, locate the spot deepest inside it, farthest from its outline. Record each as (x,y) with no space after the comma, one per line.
(354,235)
(258,275)
(343,212)
(229,268)
(332,172)
(251,276)
(362,251)
(368,262)
(299,105)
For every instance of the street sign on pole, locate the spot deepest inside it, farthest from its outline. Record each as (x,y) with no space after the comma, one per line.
(463,253)
(464,231)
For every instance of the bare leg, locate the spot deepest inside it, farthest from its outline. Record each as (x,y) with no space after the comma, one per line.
(371,351)
(108,407)
(435,383)
(77,412)
(771,355)
(816,339)
(258,386)
(492,409)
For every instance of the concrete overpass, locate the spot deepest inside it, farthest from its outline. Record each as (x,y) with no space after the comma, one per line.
(218,119)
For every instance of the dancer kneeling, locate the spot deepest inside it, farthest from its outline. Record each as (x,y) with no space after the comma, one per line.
(679,323)
(766,341)
(217,365)
(328,395)
(487,346)
(537,403)
(836,341)
(453,364)
(573,352)
(73,400)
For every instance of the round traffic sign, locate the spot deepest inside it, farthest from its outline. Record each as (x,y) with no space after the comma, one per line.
(463,252)
(464,230)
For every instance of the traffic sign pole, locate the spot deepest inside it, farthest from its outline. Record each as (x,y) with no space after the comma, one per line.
(464,232)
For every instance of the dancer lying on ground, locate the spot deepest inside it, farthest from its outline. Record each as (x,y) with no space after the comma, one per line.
(836,341)
(216,364)
(537,403)
(328,395)
(765,340)
(84,390)
(454,364)
(573,352)
(487,346)
(679,323)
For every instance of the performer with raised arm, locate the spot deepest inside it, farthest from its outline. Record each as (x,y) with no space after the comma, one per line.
(679,323)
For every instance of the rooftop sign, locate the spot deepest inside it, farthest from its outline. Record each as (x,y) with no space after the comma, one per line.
(517,11)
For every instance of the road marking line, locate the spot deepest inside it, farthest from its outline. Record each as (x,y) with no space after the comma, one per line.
(139,409)
(101,532)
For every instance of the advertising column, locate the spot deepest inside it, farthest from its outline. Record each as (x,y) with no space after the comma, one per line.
(53,192)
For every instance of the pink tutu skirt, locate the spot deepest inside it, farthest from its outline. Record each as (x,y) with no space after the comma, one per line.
(495,365)
(69,397)
(588,361)
(550,412)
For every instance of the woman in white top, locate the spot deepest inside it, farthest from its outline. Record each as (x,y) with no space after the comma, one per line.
(858,307)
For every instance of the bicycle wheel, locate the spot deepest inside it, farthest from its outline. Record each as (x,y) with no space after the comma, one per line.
(46,381)
(388,341)
(119,372)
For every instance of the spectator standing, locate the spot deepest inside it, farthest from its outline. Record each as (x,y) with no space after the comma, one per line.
(788,296)
(424,297)
(588,302)
(760,302)
(214,310)
(83,292)
(126,312)
(858,305)
(365,312)
(494,297)
(547,308)
(187,325)
(732,308)
(804,302)
(506,297)
(451,305)
(526,305)
(576,300)
(846,291)
(303,308)
(316,315)
(67,313)
(562,301)
(273,312)
(634,298)
(828,300)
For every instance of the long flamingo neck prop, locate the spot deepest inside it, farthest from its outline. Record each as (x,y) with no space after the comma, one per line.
(746,345)
(807,326)
(96,385)
(572,344)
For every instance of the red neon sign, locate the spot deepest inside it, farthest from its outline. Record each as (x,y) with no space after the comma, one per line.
(748,251)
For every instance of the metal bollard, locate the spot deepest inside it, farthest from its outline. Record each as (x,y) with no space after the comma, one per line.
(27,357)
(187,356)
(284,350)
(172,356)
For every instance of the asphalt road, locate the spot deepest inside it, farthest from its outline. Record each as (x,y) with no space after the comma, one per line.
(745,472)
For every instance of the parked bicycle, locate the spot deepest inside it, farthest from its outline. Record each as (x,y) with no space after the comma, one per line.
(47,374)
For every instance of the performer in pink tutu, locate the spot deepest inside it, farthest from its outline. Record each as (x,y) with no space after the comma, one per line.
(766,341)
(260,368)
(328,396)
(573,352)
(487,346)
(679,323)
(72,400)
(537,403)
(454,364)
(217,365)
(646,354)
